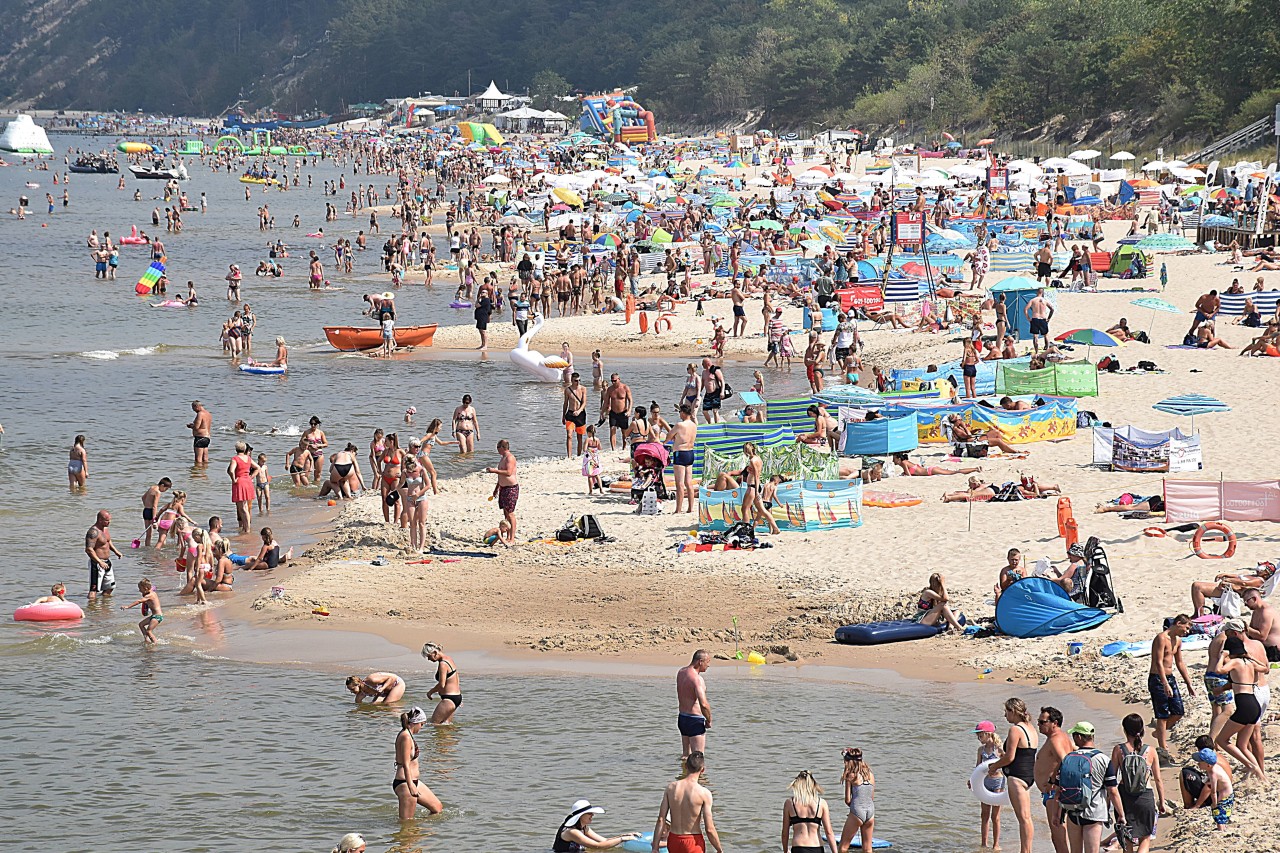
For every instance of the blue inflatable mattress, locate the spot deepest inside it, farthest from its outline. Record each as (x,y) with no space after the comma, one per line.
(892,631)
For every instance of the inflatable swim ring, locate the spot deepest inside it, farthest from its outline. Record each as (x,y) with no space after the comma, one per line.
(51,611)
(459,304)
(133,238)
(1218,526)
(263,369)
(889,499)
(980,792)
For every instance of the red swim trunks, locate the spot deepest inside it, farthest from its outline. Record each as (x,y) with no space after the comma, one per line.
(686,843)
(507,498)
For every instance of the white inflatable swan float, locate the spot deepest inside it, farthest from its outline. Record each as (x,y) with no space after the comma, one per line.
(549,368)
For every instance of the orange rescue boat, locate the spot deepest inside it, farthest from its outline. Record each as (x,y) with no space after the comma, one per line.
(355,338)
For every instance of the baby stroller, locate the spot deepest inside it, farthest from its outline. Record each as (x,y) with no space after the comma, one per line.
(1097,589)
(648,462)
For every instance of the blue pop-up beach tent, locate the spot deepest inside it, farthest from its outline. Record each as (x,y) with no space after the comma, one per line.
(1038,607)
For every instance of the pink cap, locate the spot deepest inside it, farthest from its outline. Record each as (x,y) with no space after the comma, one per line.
(985,726)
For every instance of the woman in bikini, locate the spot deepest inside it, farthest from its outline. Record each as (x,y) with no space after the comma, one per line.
(409,791)
(466,426)
(78,465)
(380,687)
(344,473)
(977,492)
(448,684)
(413,501)
(389,468)
(375,451)
(430,439)
(1246,675)
(315,441)
(692,389)
(172,512)
(913,469)
(934,604)
(752,502)
(223,579)
(805,817)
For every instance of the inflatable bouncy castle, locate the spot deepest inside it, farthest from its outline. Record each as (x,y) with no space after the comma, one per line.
(616,117)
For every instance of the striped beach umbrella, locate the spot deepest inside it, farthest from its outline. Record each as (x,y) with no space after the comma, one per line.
(1190,405)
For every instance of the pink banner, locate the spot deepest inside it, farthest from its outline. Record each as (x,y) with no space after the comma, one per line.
(1230,500)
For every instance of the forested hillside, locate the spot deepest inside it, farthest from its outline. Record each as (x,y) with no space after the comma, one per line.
(1186,67)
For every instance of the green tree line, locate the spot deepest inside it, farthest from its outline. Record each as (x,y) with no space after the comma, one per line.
(1186,68)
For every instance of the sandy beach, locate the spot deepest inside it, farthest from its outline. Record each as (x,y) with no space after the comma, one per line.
(636,595)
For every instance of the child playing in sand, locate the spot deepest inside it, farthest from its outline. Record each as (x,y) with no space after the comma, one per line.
(262,485)
(591,461)
(1218,792)
(989,750)
(151,614)
(494,535)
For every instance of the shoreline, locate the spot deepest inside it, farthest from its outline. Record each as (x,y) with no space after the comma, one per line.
(791,615)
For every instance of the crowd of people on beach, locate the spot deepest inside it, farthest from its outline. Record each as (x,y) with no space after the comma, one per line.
(1084,790)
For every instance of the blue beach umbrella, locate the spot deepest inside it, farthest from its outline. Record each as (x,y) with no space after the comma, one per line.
(1190,405)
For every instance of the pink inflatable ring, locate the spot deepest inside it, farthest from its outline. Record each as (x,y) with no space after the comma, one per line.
(52,611)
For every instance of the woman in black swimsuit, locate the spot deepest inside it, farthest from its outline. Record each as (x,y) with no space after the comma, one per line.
(409,791)
(1019,764)
(1243,671)
(448,685)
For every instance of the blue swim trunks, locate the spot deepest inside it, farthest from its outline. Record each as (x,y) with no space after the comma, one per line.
(692,725)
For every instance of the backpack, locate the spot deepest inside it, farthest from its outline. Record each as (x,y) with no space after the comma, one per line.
(589,527)
(1075,780)
(1135,773)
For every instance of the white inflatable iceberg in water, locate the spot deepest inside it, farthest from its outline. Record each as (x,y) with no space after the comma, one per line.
(23,136)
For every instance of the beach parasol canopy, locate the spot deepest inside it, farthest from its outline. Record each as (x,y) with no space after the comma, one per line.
(568,196)
(1155,303)
(986,141)
(497,179)
(1086,154)
(766,224)
(1155,166)
(1123,155)
(1089,337)
(516,221)
(1165,243)
(1190,405)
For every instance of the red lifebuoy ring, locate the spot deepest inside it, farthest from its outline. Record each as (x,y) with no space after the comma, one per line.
(1154,532)
(1220,528)
(657,325)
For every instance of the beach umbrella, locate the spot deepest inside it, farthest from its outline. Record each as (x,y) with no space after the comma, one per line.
(568,196)
(1156,304)
(1090,338)
(1086,154)
(816,246)
(1155,166)
(1190,405)
(516,221)
(986,141)
(1165,243)
(608,240)
(766,224)
(497,179)
(1123,155)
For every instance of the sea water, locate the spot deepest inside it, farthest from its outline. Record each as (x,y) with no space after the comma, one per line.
(109,744)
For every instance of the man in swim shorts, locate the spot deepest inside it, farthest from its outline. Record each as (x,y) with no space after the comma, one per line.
(686,811)
(99,547)
(574,413)
(200,431)
(150,498)
(508,487)
(682,437)
(615,403)
(1039,312)
(1166,700)
(695,709)
(1054,746)
(739,312)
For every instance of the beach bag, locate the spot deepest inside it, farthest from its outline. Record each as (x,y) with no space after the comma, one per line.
(649,502)
(741,535)
(1135,773)
(1086,419)
(1147,365)
(1075,780)
(589,527)
(970,450)
(567,534)
(1189,340)
(1142,338)
(727,392)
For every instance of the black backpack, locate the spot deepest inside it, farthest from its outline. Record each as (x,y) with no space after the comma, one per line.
(588,527)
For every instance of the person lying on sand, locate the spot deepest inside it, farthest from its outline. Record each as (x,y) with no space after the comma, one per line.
(1132,503)
(978,491)
(914,469)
